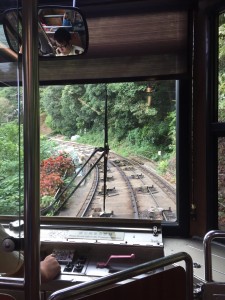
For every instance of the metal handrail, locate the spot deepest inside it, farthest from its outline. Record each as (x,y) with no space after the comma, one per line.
(12,283)
(81,289)
(207,251)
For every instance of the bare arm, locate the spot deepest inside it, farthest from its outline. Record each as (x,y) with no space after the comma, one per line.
(50,268)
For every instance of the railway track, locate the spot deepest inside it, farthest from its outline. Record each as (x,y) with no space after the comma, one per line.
(86,204)
(160,181)
(133,191)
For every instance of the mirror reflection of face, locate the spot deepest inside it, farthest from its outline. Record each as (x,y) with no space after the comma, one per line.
(64,48)
(65,30)
(64,45)
(74,39)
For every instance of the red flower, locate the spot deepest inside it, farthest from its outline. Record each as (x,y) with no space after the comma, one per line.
(52,171)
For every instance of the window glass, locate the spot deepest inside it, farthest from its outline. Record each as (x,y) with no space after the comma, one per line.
(2,37)
(108,150)
(11,162)
(221,118)
(221,70)
(221,180)
(11,152)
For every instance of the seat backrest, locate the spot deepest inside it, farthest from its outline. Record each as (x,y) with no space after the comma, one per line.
(163,285)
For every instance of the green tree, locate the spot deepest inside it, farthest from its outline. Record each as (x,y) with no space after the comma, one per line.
(10,103)
(50,100)
(81,108)
(163,96)
(6,110)
(93,108)
(221,74)
(127,102)
(10,168)
(71,108)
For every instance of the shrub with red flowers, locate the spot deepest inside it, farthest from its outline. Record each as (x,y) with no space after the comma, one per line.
(52,172)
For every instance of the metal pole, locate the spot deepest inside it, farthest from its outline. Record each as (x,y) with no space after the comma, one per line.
(31,150)
(207,243)
(106,149)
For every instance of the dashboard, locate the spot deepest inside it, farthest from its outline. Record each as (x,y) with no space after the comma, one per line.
(85,254)
(88,252)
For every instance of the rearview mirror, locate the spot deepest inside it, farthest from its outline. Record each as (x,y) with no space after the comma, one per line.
(62,31)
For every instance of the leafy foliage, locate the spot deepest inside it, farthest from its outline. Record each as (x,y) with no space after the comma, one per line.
(221,118)
(221,75)
(52,171)
(50,102)
(10,191)
(46,148)
(10,168)
(221,180)
(81,110)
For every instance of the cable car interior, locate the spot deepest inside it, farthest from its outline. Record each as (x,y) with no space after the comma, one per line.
(147,72)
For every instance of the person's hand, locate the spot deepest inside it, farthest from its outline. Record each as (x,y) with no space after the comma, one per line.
(50,268)
(58,51)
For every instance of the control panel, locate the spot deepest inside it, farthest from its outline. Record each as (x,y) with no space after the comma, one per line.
(95,253)
(85,253)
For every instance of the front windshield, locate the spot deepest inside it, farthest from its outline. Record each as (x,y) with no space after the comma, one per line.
(107,150)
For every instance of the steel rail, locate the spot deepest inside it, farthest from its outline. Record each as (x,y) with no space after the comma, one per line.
(131,190)
(171,192)
(57,205)
(87,203)
(158,180)
(80,182)
(141,179)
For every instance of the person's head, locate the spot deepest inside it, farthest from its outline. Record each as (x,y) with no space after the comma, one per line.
(66,16)
(63,40)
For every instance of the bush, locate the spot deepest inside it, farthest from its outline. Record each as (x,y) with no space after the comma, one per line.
(163,166)
(52,172)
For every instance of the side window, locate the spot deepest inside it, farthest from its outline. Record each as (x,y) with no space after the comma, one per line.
(11,159)
(221,120)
